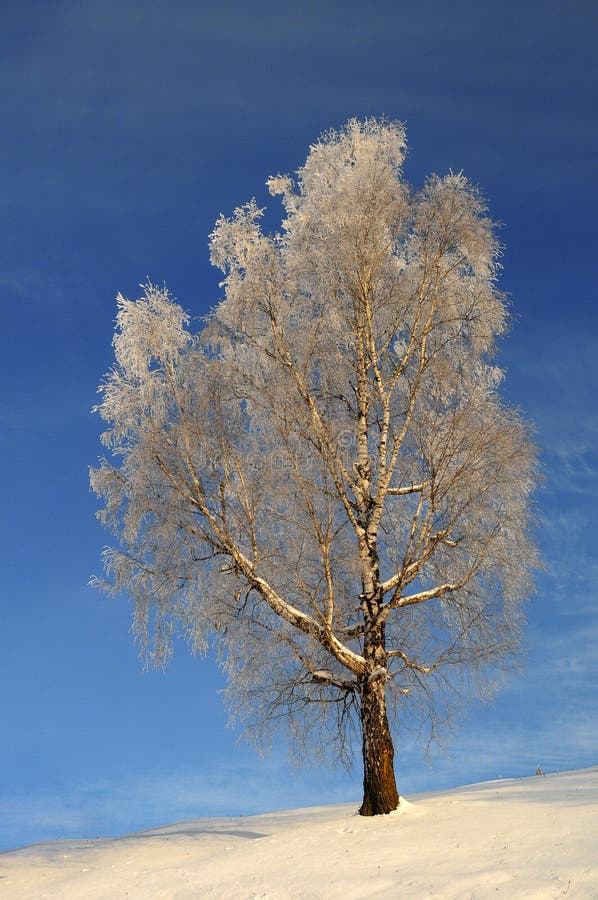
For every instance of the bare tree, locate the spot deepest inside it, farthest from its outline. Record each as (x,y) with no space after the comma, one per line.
(324,478)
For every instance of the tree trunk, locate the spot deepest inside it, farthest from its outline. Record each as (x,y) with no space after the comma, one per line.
(380,793)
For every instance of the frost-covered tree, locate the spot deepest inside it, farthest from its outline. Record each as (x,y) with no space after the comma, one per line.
(323,480)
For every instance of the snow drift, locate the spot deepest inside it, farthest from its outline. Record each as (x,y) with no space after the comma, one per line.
(533,837)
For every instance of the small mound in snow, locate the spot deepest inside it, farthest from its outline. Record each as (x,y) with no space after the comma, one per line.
(532,837)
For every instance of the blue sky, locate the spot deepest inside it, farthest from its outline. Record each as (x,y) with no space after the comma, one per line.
(127,127)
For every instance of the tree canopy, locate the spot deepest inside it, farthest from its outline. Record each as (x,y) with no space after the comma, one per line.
(323,479)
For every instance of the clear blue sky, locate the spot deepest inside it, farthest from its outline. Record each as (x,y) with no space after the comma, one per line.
(127,127)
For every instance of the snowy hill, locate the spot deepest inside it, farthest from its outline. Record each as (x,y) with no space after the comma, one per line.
(533,837)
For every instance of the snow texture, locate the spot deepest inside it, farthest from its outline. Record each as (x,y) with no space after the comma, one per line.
(534,837)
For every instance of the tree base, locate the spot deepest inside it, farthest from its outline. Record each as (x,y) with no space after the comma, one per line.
(370,809)
(385,799)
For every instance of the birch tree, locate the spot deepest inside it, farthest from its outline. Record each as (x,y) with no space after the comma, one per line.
(322,480)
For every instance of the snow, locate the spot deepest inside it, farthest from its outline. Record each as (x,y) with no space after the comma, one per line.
(527,838)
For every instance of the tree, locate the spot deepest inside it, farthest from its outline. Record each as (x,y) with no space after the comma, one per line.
(324,480)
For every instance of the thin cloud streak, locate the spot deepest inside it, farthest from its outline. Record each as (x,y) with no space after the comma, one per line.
(131,802)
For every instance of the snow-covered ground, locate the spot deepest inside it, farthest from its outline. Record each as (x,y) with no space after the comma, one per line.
(532,837)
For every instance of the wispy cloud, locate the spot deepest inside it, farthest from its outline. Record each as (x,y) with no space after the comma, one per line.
(140,800)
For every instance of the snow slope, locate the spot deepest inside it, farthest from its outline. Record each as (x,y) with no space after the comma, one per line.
(527,838)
